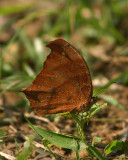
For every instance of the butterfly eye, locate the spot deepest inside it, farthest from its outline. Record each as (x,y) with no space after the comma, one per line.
(63,53)
(69,98)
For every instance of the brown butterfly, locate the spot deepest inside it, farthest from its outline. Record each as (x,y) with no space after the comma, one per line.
(64,84)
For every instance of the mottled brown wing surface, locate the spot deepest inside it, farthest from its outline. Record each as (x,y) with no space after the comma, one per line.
(64,84)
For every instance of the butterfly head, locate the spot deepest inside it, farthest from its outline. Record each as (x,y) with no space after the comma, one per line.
(92,101)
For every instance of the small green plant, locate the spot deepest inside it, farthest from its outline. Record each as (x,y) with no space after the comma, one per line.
(72,142)
(27,149)
(79,143)
(115,146)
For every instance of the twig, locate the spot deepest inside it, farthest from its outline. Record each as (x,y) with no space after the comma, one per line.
(7,156)
(26,138)
(113,120)
(34,142)
(42,119)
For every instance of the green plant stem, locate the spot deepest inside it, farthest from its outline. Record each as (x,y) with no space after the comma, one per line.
(82,133)
(48,149)
(77,155)
(80,125)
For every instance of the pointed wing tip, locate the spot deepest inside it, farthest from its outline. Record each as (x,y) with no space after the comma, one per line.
(23,89)
(57,42)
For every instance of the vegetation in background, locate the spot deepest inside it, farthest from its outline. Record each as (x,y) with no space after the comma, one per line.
(98,28)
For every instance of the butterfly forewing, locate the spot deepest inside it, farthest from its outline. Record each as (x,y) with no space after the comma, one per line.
(64,84)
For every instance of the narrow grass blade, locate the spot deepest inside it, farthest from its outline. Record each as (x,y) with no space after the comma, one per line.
(94,109)
(112,101)
(115,80)
(93,151)
(27,149)
(6,49)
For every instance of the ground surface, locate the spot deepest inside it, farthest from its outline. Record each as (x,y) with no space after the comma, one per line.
(105,53)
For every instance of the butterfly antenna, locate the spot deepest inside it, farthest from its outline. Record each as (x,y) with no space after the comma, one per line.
(98,92)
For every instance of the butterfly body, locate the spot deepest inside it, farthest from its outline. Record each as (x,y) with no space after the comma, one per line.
(64,84)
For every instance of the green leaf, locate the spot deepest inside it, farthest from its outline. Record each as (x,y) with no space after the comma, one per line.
(61,140)
(69,142)
(94,109)
(95,153)
(125,147)
(113,146)
(97,139)
(27,149)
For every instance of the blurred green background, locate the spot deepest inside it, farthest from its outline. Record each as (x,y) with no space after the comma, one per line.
(97,28)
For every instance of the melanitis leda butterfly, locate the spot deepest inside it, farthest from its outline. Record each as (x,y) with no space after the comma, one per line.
(64,84)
